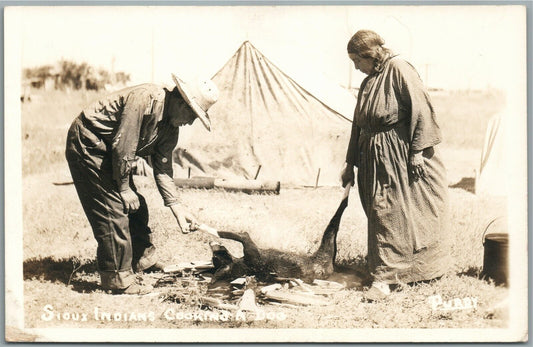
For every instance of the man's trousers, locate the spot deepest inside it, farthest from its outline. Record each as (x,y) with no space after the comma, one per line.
(124,242)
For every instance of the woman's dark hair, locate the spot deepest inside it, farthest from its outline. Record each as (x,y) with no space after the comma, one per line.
(368,44)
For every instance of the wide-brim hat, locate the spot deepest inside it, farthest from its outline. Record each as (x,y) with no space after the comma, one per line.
(200,95)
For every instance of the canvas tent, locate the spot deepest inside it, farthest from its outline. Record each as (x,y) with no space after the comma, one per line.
(265,119)
(490,176)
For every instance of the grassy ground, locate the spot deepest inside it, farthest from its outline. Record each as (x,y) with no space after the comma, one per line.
(59,248)
(463,116)
(54,247)
(45,122)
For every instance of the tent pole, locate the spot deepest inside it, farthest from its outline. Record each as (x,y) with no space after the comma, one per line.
(257,173)
(317,177)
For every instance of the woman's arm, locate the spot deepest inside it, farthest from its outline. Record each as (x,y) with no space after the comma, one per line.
(424,130)
(412,95)
(352,154)
(352,157)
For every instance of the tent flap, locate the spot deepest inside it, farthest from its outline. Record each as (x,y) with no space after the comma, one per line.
(491,178)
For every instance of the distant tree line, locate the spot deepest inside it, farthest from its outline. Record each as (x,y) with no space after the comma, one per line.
(71,75)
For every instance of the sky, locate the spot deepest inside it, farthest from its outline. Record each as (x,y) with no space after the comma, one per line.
(452,47)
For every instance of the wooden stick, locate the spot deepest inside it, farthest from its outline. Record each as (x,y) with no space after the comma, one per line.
(305,287)
(328,284)
(274,286)
(296,299)
(207,229)
(218,304)
(257,173)
(283,305)
(317,177)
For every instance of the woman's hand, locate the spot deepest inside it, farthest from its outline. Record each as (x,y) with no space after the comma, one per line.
(184,218)
(347,175)
(416,167)
(130,201)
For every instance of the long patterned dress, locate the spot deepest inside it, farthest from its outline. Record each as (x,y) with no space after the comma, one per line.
(407,239)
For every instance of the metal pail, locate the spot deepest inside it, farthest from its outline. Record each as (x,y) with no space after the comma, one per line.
(495,257)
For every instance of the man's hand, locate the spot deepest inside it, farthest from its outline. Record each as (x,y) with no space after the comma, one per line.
(417,167)
(184,218)
(130,201)
(347,175)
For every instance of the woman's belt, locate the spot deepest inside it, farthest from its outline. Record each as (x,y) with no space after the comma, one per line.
(382,129)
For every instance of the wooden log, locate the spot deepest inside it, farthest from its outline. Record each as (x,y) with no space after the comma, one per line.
(217,291)
(238,184)
(328,284)
(305,287)
(206,277)
(65,183)
(274,286)
(249,186)
(282,279)
(217,303)
(195,182)
(247,301)
(197,265)
(323,287)
(296,298)
(239,281)
(280,304)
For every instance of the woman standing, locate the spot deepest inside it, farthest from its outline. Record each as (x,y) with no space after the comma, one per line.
(401,178)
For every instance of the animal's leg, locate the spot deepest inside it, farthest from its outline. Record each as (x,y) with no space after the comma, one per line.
(325,255)
(250,250)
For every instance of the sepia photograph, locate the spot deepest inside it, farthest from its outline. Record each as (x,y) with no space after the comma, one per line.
(266,173)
